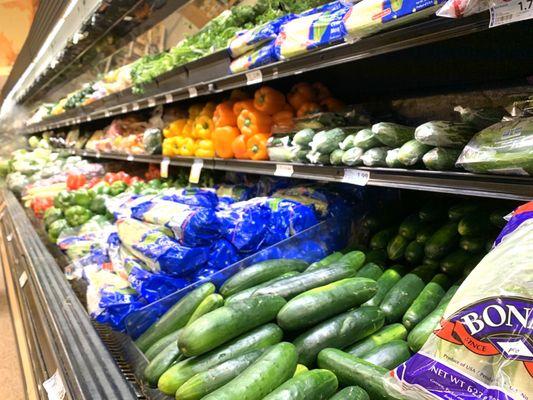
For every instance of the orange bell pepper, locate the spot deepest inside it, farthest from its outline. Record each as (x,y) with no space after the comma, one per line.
(208,109)
(284,119)
(175,128)
(238,146)
(223,137)
(204,149)
(307,109)
(256,147)
(268,100)
(195,110)
(224,115)
(188,129)
(251,122)
(332,104)
(321,91)
(239,106)
(238,95)
(301,93)
(203,127)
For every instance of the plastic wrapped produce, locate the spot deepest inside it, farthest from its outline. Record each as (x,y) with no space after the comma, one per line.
(253,59)
(375,157)
(441,159)
(462,8)
(444,134)
(481,118)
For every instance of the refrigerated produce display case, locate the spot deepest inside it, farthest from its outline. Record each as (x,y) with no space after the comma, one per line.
(271,199)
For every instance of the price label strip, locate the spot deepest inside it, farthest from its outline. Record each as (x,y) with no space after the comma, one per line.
(151,102)
(286,170)
(254,77)
(23,279)
(169,98)
(193,92)
(54,387)
(356,177)
(164,167)
(508,11)
(130,158)
(196,170)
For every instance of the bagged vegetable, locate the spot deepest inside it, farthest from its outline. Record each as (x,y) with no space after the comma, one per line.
(482,347)
(441,159)
(411,152)
(152,140)
(253,59)
(366,139)
(444,134)
(480,118)
(353,156)
(375,157)
(462,8)
(391,134)
(392,160)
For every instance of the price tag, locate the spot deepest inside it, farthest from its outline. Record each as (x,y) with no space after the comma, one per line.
(284,170)
(151,102)
(169,98)
(356,177)
(84,154)
(130,158)
(275,72)
(107,113)
(507,11)
(135,106)
(97,155)
(196,170)
(54,387)
(23,279)
(193,92)
(89,118)
(9,237)
(164,167)
(253,77)
(124,109)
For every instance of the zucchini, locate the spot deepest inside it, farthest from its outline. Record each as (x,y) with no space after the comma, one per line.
(421,332)
(454,263)
(411,152)
(410,226)
(389,355)
(382,238)
(400,297)
(352,156)
(339,331)
(424,304)
(474,224)
(378,256)
(178,374)
(351,393)
(333,257)
(442,241)
(315,305)
(424,233)
(433,211)
(375,157)
(441,159)
(472,244)
(370,271)
(460,210)
(385,335)
(392,160)
(210,303)
(205,382)
(325,142)
(225,323)
(396,247)
(299,369)
(366,139)
(335,158)
(414,252)
(351,370)
(247,293)
(347,143)
(317,384)
(274,367)
(259,273)
(175,318)
(161,363)
(161,344)
(303,137)
(385,282)
(393,135)
(353,258)
(444,134)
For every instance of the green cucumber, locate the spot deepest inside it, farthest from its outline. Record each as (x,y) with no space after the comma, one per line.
(396,247)
(385,282)
(351,370)
(460,210)
(411,152)
(205,382)
(388,355)
(161,344)
(339,331)
(225,323)
(247,293)
(333,257)
(441,280)
(274,367)
(178,374)
(392,160)
(455,263)
(352,156)
(259,273)
(315,305)
(393,135)
(472,244)
(414,252)
(401,269)
(317,384)
(291,287)
(421,332)
(410,226)
(400,297)
(175,318)
(351,393)
(352,258)
(425,232)
(433,211)
(474,224)
(210,303)
(382,238)
(303,137)
(442,241)
(299,369)
(434,264)
(444,134)
(161,363)
(370,271)
(365,139)
(377,256)
(426,272)
(423,305)
(441,159)
(384,335)
(375,157)
(335,158)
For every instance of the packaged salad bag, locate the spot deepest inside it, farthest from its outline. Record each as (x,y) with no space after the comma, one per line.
(483,346)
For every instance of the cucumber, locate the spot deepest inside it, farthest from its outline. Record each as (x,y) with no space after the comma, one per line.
(382,238)
(414,253)
(303,137)
(426,272)
(325,142)
(424,233)
(377,220)
(351,370)
(401,269)
(161,344)
(396,247)
(259,273)
(225,323)
(352,258)
(385,282)
(315,305)
(444,134)
(441,159)
(366,139)
(411,152)
(335,158)
(351,393)
(317,384)
(434,264)
(291,287)
(497,218)
(480,118)
(393,135)
(175,318)
(389,355)
(424,304)
(339,331)
(400,297)
(299,369)
(474,224)
(472,244)
(454,263)
(370,271)
(161,363)
(247,293)
(441,280)
(178,374)
(272,369)
(384,335)
(333,257)
(203,383)
(210,303)
(352,156)
(410,226)
(421,332)
(392,158)
(442,241)
(377,256)
(347,143)
(460,210)
(433,211)
(375,157)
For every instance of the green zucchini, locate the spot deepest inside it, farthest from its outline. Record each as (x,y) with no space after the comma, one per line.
(375,157)
(385,335)
(352,156)
(351,393)
(317,384)
(161,363)
(274,367)
(400,297)
(303,137)
(460,210)
(388,355)
(424,233)
(396,247)
(178,374)
(175,318)
(333,257)
(433,211)
(366,139)
(370,271)
(351,370)
(247,293)
(423,305)
(335,158)
(161,344)
(444,134)
(411,152)
(414,253)
(454,263)
(393,135)
(225,323)
(441,159)
(472,244)
(385,282)
(474,224)
(339,331)
(442,241)
(205,382)
(315,305)
(210,303)
(259,273)
(410,226)
(378,256)
(382,238)
(392,160)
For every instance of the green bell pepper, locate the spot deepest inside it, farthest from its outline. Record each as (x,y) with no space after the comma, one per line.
(154,183)
(149,191)
(55,229)
(52,214)
(117,188)
(101,188)
(97,205)
(64,200)
(77,215)
(138,187)
(82,198)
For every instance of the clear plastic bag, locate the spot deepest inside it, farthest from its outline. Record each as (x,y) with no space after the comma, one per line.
(462,8)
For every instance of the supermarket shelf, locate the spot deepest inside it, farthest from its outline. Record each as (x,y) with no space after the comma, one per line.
(210,74)
(464,183)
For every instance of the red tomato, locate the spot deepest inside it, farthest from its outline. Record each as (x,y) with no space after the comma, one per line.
(76,181)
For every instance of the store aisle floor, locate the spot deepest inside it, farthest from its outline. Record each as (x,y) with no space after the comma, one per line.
(12,387)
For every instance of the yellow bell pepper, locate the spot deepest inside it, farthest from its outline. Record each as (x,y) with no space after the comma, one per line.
(205,148)
(188,147)
(203,127)
(195,110)
(188,129)
(171,146)
(208,109)
(175,128)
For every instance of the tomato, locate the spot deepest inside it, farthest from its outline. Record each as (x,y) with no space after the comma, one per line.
(75,181)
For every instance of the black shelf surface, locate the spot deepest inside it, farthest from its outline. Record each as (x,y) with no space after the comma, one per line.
(463,183)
